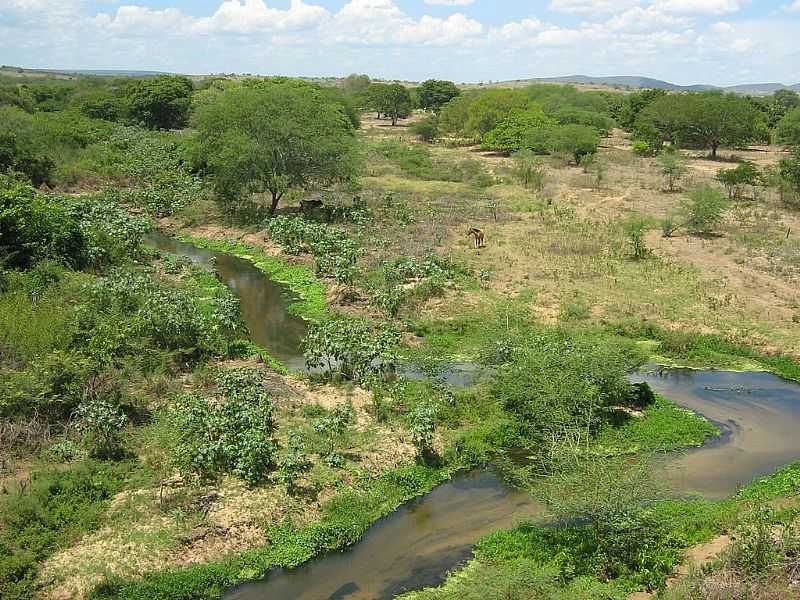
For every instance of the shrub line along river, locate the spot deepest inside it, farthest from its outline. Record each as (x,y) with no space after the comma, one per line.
(421,542)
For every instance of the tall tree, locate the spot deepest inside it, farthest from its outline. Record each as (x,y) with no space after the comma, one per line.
(272,139)
(393,100)
(159,102)
(434,93)
(713,119)
(789,128)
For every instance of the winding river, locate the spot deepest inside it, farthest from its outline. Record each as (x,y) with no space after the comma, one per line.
(421,542)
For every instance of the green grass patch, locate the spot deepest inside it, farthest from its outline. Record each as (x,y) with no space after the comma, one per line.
(57,509)
(666,427)
(344,521)
(310,302)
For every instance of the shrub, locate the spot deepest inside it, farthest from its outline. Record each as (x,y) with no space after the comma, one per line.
(349,348)
(234,433)
(635,230)
(576,141)
(34,227)
(293,463)
(331,428)
(529,170)
(422,425)
(642,148)
(672,165)
(736,180)
(427,130)
(704,209)
(101,422)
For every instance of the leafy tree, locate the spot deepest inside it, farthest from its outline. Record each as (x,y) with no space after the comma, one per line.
(577,141)
(434,94)
(233,434)
(22,148)
(489,108)
(332,428)
(707,120)
(790,171)
(635,229)
(610,496)
(576,116)
(635,103)
(349,348)
(704,209)
(787,99)
(789,129)
(662,120)
(273,140)
(513,132)
(453,116)
(736,180)
(293,463)
(34,227)
(673,166)
(427,130)
(101,422)
(393,101)
(161,102)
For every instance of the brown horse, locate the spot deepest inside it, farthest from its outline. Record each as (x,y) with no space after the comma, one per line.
(480,237)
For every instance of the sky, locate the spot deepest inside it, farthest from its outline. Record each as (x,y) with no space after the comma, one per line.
(720,42)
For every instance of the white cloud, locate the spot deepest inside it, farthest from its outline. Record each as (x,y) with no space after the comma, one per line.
(640,19)
(793,7)
(449,2)
(592,7)
(249,16)
(700,7)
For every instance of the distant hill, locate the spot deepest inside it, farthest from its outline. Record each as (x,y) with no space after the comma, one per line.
(632,82)
(69,73)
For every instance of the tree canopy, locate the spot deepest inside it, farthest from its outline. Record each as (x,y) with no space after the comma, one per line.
(789,129)
(159,102)
(512,133)
(272,139)
(434,93)
(392,100)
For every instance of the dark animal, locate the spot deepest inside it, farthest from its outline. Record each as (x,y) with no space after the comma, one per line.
(480,237)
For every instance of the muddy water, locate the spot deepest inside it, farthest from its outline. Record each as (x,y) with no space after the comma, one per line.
(263,301)
(760,418)
(418,544)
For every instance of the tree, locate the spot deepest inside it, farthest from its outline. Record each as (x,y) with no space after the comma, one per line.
(272,140)
(789,129)
(22,148)
(512,133)
(672,165)
(736,180)
(427,130)
(790,171)
(635,103)
(433,94)
(577,141)
(712,120)
(491,107)
(392,100)
(704,209)
(159,102)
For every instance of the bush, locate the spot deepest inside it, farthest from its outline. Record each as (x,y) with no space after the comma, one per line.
(736,180)
(349,348)
(34,227)
(672,165)
(576,141)
(635,230)
(427,130)
(704,209)
(58,508)
(422,425)
(335,254)
(642,148)
(234,433)
(529,170)
(101,422)
(557,381)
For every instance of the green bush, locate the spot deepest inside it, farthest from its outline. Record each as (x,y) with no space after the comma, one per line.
(738,179)
(101,421)
(34,227)
(232,434)
(349,348)
(59,507)
(704,209)
(557,381)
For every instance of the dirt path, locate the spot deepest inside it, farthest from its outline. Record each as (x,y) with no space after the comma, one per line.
(696,557)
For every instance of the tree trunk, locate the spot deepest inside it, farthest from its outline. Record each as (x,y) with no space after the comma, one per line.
(394,120)
(714,150)
(276,198)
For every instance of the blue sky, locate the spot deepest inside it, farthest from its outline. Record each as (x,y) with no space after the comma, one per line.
(685,41)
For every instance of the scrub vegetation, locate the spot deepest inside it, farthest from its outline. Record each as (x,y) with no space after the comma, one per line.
(150,450)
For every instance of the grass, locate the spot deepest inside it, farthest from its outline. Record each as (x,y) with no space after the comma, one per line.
(57,509)
(344,520)
(311,303)
(665,428)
